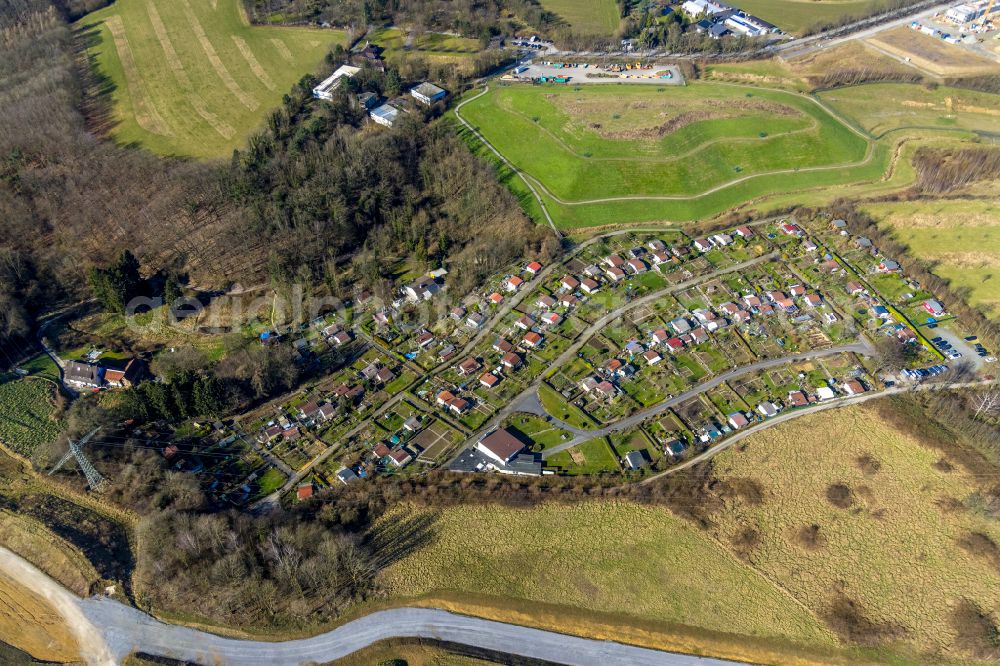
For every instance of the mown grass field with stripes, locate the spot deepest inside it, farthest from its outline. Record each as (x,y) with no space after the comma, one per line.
(193,77)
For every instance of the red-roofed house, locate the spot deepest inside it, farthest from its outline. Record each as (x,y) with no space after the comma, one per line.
(797,399)
(500,445)
(511,361)
(533,340)
(533,267)
(459,406)
(489,380)
(400,457)
(854,387)
(551,318)
(468,366)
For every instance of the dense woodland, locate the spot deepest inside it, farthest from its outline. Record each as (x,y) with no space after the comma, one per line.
(310,190)
(472,18)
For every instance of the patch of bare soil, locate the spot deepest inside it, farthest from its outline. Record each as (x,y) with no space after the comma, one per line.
(745,542)
(733,108)
(943,465)
(982,546)
(840,495)
(745,489)
(949,504)
(976,631)
(849,620)
(868,464)
(811,537)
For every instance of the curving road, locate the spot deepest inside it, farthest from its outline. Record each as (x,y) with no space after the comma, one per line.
(813,409)
(529,394)
(127,629)
(581,435)
(107,631)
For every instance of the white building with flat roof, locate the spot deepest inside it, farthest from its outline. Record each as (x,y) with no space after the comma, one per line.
(325,89)
(384,115)
(428,93)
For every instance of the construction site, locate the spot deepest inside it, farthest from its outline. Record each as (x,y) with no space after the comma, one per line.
(964,40)
(579,73)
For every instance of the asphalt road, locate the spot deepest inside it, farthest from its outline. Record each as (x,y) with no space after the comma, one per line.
(813,409)
(127,630)
(660,407)
(525,397)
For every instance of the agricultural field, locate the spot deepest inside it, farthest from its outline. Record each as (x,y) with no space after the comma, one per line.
(868,526)
(27,415)
(619,153)
(960,238)
(589,17)
(194,78)
(886,107)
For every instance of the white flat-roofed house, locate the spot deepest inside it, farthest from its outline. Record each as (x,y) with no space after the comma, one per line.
(326,87)
(384,115)
(428,93)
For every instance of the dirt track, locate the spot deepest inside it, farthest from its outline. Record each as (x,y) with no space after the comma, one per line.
(90,643)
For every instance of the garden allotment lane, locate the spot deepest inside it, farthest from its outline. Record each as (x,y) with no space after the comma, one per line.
(580,435)
(528,396)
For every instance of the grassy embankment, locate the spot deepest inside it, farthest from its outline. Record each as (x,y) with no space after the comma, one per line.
(828,534)
(667,153)
(582,150)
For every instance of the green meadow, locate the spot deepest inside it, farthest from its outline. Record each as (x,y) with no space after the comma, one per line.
(624,153)
(591,17)
(193,78)
(960,238)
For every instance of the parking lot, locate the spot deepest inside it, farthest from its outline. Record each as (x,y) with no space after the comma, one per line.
(950,344)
